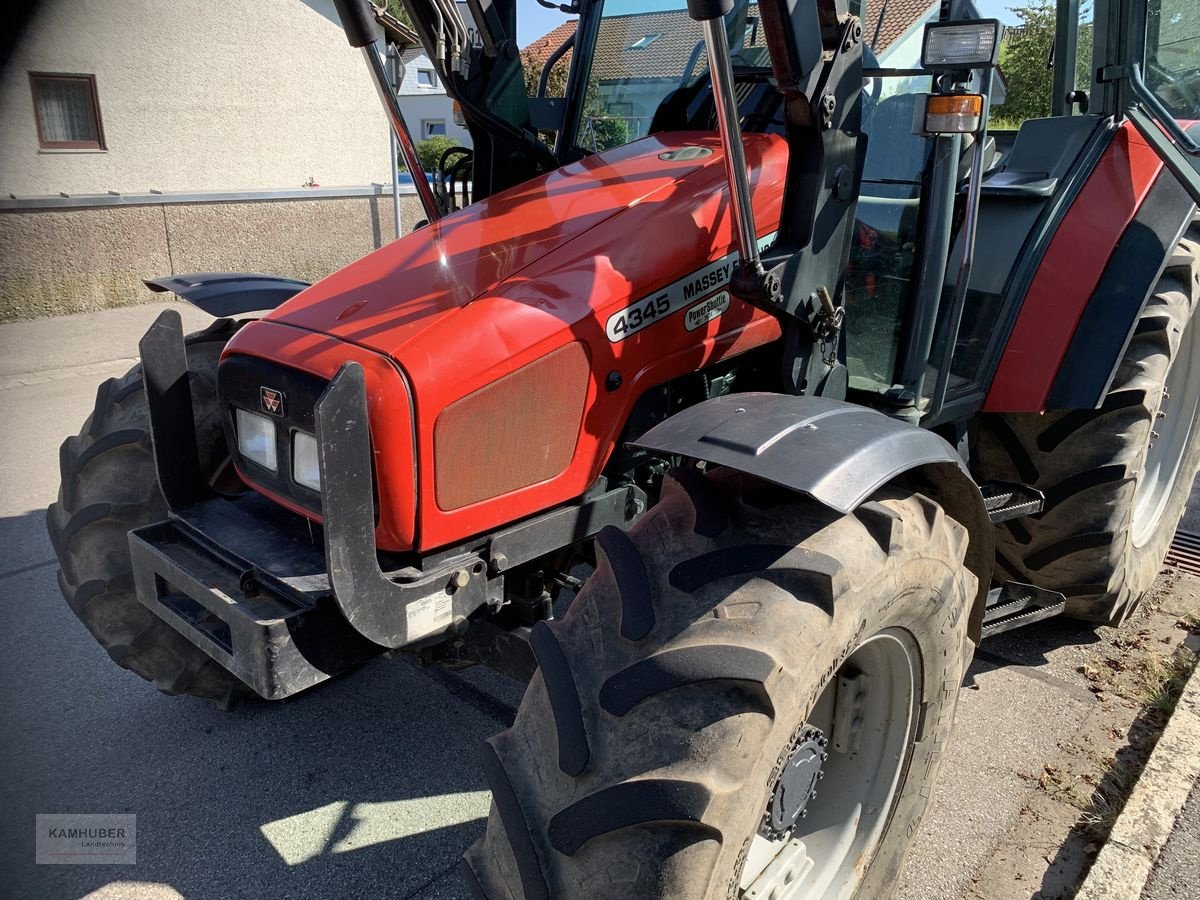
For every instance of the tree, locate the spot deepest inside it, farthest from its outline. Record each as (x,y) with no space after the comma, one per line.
(1026,61)
(429,152)
(1024,64)
(600,130)
(396,8)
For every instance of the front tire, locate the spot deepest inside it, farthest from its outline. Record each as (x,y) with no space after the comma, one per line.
(694,668)
(109,487)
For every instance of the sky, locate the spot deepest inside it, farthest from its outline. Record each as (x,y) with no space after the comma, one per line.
(534,20)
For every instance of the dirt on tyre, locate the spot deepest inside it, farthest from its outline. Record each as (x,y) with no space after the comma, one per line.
(109,486)
(748,698)
(1117,478)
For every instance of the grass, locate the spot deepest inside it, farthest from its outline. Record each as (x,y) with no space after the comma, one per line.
(1155,683)
(1162,679)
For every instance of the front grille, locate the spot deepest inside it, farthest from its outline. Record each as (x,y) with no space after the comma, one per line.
(251,384)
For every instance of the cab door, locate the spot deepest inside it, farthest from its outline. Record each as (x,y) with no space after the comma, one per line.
(1162,71)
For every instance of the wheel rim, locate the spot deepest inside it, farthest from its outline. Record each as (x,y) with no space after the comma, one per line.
(827,852)
(1172,429)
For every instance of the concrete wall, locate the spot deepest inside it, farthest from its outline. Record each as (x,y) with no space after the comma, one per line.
(57,261)
(197,95)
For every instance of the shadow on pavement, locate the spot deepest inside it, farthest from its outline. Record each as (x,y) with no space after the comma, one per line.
(368,785)
(1027,648)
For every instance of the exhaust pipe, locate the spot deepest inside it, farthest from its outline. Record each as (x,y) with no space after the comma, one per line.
(364,32)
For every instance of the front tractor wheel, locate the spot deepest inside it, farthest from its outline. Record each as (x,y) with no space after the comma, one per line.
(109,487)
(747,699)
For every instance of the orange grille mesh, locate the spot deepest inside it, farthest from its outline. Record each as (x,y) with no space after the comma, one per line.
(514,432)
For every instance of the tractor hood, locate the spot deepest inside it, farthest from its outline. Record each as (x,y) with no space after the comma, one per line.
(386,299)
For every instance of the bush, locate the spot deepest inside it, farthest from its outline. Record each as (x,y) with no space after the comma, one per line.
(429,152)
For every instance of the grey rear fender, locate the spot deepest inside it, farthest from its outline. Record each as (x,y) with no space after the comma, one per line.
(224,294)
(835,452)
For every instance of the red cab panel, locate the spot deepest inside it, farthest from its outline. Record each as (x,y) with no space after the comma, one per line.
(1069,272)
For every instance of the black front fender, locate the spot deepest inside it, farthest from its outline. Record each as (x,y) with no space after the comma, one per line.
(838,453)
(224,294)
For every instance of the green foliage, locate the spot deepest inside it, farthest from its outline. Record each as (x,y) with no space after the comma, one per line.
(532,68)
(1023,64)
(600,131)
(396,8)
(429,152)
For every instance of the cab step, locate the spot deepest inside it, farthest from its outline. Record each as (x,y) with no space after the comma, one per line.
(1009,500)
(1015,605)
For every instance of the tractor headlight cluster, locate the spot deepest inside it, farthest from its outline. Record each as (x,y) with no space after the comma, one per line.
(305,470)
(256,439)
(973,44)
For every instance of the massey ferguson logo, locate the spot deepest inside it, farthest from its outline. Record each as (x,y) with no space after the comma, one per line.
(271,401)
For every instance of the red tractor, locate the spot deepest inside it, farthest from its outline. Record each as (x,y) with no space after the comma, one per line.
(825,381)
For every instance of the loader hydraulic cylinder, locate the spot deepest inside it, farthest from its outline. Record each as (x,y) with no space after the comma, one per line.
(364,32)
(710,14)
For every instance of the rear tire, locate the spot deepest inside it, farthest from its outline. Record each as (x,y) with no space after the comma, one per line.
(1107,524)
(109,487)
(675,689)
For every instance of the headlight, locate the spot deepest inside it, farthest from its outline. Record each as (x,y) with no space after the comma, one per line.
(973,44)
(256,439)
(305,470)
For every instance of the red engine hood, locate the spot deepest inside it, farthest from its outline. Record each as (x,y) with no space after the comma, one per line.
(384,300)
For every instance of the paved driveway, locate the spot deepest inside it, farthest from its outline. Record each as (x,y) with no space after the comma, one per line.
(366,786)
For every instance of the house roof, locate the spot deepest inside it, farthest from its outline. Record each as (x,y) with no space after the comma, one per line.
(667,55)
(541,49)
(636,46)
(398,32)
(901,16)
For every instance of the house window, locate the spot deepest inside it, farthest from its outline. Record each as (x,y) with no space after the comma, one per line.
(67,110)
(433,127)
(646,41)
(426,78)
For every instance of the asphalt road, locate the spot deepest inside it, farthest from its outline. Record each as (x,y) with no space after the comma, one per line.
(1176,875)
(370,785)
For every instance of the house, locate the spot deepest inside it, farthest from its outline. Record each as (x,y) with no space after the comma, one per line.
(140,138)
(891,27)
(639,56)
(427,109)
(138,95)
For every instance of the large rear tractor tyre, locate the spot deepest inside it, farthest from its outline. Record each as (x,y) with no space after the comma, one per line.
(109,487)
(1117,478)
(731,651)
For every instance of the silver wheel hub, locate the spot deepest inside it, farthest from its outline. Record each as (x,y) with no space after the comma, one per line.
(1169,439)
(797,784)
(856,745)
